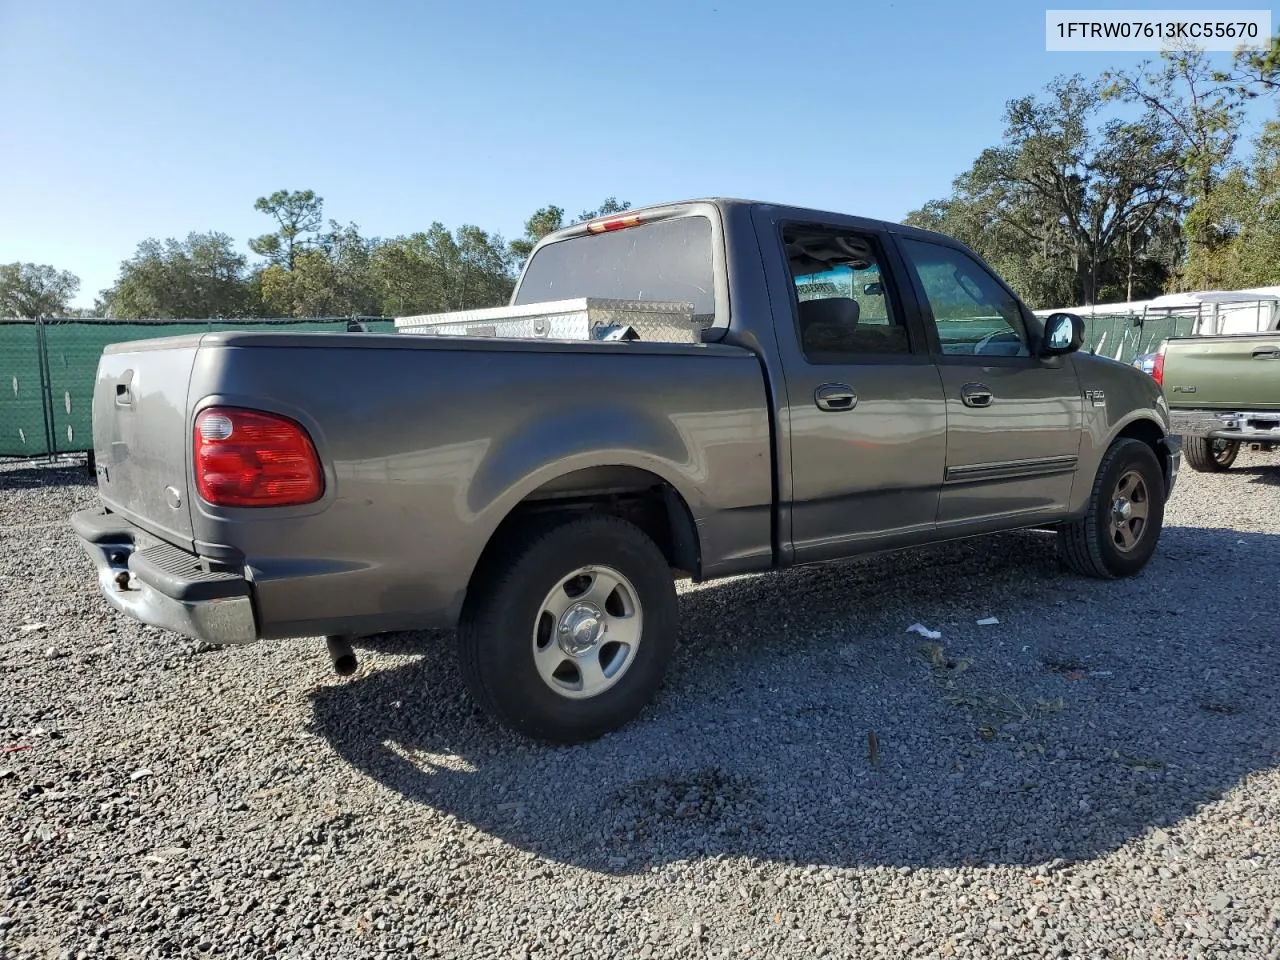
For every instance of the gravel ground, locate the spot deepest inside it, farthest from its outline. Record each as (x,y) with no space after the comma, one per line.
(1095,776)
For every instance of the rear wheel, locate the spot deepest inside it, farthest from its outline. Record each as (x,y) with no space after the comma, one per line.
(1211,456)
(1119,531)
(568,628)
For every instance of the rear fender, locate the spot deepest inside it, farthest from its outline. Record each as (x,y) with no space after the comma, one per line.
(558,444)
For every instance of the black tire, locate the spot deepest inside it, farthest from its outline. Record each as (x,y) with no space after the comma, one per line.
(1209,456)
(1091,546)
(496,635)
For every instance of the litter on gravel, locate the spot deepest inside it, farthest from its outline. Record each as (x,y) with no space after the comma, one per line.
(924,631)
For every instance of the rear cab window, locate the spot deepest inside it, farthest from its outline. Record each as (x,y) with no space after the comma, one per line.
(669,260)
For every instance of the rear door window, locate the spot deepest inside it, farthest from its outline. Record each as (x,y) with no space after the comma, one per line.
(842,306)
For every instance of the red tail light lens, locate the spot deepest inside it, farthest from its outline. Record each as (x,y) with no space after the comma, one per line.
(1157,368)
(245,458)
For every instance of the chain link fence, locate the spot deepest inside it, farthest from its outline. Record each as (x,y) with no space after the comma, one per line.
(48,368)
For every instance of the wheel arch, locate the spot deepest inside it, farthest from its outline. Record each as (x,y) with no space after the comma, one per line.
(640,495)
(1147,430)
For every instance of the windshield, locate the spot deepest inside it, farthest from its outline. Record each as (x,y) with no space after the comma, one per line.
(666,260)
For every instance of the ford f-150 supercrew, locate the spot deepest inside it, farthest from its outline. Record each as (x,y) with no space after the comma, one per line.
(852,386)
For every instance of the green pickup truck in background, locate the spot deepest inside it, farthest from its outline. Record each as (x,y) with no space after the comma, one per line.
(1222,391)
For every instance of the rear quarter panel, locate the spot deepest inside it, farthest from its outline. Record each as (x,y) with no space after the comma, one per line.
(427,447)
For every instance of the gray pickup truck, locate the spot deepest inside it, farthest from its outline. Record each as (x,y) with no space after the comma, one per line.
(854,386)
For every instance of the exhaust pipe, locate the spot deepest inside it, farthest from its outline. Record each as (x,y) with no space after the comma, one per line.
(340,652)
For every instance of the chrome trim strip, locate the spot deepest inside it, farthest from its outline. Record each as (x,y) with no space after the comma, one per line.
(1011,469)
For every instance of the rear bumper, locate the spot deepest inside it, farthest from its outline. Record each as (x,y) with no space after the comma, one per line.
(1260,426)
(163,586)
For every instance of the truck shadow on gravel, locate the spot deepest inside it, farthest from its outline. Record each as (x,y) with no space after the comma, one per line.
(1269,475)
(800,723)
(22,476)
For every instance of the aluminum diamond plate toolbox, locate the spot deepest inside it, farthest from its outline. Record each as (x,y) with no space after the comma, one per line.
(585,318)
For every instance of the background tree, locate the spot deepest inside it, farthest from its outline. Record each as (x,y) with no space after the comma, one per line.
(484,275)
(436,271)
(609,207)
(1131,228)
(1258,71)
(328,278)
(35,290)
(543,221)
(407,273)
(1202,110)
(1069,210)
(296,213)
(201,276)
(1244,211)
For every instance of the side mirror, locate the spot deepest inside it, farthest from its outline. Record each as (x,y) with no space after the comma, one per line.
(1063,333)
(872,289)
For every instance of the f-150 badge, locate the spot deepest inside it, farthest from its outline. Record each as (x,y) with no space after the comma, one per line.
(1097,397)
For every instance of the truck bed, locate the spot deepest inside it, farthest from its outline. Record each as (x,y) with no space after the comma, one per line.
(427,443)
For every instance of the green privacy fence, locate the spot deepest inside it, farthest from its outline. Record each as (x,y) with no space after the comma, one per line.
(1123,336)
(23,424)
(47,367)
(47,370)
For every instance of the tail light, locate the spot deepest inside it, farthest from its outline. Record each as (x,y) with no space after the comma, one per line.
(1157,368)
(246,458)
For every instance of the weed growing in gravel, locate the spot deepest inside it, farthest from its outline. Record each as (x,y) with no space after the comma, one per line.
(1005,706)
(936,655)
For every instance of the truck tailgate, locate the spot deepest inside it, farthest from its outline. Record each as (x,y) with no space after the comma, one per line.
(1233,372)
(140,434)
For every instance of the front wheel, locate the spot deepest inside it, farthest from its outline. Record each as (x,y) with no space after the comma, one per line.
(1211,456)
(568,629)
(1119,531)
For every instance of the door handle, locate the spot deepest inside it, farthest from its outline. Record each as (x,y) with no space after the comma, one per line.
(976,395)
(1267,353)
(835,397)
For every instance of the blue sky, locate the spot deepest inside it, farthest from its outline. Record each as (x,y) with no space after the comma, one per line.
(132,119)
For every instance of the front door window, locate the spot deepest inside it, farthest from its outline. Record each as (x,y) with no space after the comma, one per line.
(973,313)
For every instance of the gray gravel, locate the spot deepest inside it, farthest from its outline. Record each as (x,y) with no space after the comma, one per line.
(1095,776)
